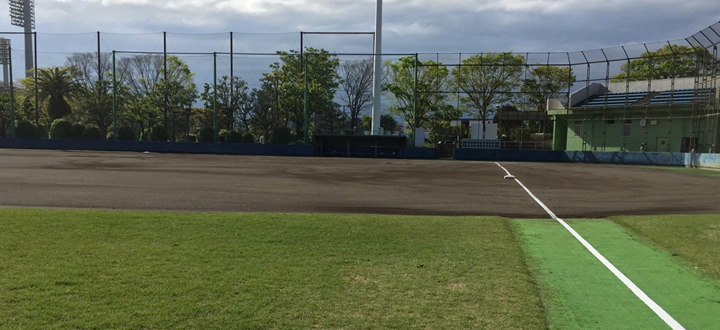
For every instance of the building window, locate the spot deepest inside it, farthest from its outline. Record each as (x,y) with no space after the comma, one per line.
(627,124)
(578,128)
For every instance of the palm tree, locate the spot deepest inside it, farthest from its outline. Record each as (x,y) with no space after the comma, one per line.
(55,86)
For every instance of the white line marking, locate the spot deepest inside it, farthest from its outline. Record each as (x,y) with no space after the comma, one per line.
(669,320)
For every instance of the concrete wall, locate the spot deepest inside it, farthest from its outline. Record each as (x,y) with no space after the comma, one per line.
(161,147)
(711,161)
(652,135)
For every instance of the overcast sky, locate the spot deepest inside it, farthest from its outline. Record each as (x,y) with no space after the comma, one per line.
(409,25)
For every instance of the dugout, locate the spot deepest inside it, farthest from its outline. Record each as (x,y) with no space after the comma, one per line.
(362,146)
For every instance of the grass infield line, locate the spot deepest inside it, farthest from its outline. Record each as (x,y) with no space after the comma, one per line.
(669,320)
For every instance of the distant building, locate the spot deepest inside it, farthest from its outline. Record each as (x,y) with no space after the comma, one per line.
(670,115)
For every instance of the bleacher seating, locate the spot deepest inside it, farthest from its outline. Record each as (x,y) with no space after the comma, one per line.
(615,100)
(682,96)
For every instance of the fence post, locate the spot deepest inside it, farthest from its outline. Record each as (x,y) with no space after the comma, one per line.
(114,74)
(12,95)
(305,101)
(37,91)
(215,114)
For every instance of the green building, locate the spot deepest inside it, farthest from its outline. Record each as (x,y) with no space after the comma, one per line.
(671,115)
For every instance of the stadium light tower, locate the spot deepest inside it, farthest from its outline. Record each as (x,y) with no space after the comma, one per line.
(377,71)
(22,14)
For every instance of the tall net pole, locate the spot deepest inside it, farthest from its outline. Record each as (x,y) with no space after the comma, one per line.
(377,71)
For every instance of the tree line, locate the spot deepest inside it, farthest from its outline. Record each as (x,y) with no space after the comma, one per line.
(161,102)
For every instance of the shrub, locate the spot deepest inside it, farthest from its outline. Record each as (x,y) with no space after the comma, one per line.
(159,133)
(61,129)
(233,137)
(281,135)
(221,135)
(192,138)
(248,138)
(25,129)
(42,132)
(78,131)
(206,135)
(126,133)
(92,133)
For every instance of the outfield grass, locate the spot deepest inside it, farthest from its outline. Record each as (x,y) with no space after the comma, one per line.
(103,269)
(581,293)
(696,171)
(692,238)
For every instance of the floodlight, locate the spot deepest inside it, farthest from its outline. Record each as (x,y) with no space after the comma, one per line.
(18,10)
(4,47)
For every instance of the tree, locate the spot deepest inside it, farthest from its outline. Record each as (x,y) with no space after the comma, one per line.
(488,80)
(176,94)
(149,97)
(266,114)
(96,105)
(86,67)
(5,119)
(231,104)
(546,82)
(387,122)
(670,61)
(288,75)
(56,86)
(357,86)
(418,91)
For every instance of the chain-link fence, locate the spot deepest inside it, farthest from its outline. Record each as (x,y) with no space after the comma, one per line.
(201,87)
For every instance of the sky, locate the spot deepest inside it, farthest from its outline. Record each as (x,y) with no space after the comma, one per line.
(410,26)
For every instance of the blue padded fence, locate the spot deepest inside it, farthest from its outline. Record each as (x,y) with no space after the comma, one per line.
(161,147)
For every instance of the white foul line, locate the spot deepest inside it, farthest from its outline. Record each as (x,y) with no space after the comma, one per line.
(669,320)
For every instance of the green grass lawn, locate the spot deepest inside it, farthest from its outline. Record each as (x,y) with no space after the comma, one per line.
(106,269)
(581,293)
(692,238)
(696,171)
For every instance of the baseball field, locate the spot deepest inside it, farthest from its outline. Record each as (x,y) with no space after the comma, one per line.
(133,240)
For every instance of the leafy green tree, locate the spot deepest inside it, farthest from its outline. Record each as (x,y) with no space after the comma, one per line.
(266,109)
(5,114)
(323,81)
(418,91)
(232,102)
(387,122)
(488,80)
(175,95)
(546,82)
(670,61)
(96,105)
(55,87)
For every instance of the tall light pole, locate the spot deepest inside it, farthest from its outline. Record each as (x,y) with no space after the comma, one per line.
(22,14)
(377,71)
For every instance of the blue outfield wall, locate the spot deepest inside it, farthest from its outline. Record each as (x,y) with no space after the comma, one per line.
(418,153)
(161,147)
(629,158)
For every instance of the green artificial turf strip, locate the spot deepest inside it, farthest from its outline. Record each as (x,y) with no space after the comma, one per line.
(693,300)
(106,269)
(577,290)
(693,238)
